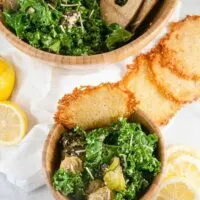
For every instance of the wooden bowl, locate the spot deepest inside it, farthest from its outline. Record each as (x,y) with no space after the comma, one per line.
(159,20)
(51,155)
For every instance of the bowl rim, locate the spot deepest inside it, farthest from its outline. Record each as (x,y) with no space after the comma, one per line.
(154,185)
(107,57)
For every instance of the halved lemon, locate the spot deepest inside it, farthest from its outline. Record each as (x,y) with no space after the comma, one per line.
(185,167)
(7,79)
(177,189)
(13,123)
(174,151)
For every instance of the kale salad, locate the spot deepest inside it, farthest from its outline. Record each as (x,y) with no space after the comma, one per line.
(66,27)
(113,163)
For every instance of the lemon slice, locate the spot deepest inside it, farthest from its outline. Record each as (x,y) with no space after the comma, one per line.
(186,167)
(175,151)
(7,79)
(177,189)
(13,123)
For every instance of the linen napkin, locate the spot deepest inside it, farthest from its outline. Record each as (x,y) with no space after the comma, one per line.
(39,86)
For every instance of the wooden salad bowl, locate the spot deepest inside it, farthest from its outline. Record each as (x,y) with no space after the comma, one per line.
(160,18)
(51,155)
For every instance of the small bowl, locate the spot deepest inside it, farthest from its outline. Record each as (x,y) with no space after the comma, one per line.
(160,18)
(51,157)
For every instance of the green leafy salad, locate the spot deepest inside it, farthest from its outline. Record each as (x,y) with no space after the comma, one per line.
(115,163)
(67,27)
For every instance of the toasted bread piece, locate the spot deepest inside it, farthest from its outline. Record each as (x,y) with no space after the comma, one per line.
(173,86)
(151,100)
(93,107)
(181,47)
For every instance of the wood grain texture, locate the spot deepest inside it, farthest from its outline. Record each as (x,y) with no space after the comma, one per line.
(131,48)
(122,15)
(51,154)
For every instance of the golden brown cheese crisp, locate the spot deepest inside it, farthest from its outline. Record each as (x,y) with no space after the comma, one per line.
(181,48)
(173,86)
(139,81)
(93,107)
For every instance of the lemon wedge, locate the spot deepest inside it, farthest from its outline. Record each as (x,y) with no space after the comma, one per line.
(175,151)
(13,123)
(7,79)
(177,189)
(186,167)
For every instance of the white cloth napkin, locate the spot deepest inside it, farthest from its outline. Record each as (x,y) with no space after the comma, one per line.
(39,86)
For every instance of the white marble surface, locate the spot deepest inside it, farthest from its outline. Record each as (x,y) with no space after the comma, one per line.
(183,130)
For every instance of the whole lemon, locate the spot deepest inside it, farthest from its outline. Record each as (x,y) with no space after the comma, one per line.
(7,79)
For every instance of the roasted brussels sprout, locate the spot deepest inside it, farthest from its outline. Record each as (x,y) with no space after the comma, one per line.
(102,194)
(94,185)
(74,164)
(72,145)
(114,178)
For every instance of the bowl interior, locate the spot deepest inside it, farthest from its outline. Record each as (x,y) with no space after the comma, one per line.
(51,153)
(146,33)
